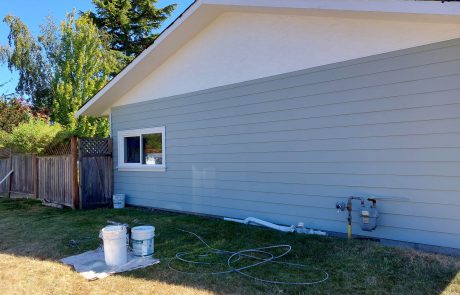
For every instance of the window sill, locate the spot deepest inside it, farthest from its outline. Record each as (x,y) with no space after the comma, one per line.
(148,169)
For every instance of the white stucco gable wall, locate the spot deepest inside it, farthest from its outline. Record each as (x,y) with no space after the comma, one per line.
(240,46)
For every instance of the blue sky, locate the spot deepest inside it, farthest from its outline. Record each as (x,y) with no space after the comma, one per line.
(34,12)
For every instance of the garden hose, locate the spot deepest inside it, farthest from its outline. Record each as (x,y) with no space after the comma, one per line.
(235,256)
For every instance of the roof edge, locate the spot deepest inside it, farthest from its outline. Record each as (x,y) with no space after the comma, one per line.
(389,6)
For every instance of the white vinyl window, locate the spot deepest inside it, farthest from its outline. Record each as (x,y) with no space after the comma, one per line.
(142,149)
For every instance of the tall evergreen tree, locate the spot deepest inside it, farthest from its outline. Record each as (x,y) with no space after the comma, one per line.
(130,23)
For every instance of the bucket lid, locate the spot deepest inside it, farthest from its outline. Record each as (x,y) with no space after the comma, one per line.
(142,232)
(113,231)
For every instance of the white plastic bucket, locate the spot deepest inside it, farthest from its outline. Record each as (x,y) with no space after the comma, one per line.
(115,245)
(142,240)
(119,201)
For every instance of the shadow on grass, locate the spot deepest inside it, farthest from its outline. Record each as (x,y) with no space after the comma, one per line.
(355,267)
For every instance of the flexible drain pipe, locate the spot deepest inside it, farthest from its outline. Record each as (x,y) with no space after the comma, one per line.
(288,229)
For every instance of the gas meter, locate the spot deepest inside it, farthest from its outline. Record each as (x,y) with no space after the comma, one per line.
(368,213)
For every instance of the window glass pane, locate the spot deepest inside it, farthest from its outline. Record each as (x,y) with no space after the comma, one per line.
(132,149)
(153,149)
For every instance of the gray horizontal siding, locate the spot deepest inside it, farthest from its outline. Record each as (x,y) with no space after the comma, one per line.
(286,148)
(392,233)
(446,226)
(393,206)
(449,198)
(256,180)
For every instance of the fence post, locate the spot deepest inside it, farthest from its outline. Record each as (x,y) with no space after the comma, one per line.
(74,160)
(10,179)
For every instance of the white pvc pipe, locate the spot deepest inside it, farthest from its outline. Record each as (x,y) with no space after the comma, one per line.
(288,229)
(263,223)
(317,232)
(234,220)
(291,228)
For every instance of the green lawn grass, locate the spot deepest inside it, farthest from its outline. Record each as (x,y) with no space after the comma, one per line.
(33,238)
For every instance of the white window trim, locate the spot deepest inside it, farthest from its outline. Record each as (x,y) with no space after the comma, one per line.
(122,166)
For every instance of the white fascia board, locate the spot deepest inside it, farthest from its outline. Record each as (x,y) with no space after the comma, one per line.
(386,6)
(202,12)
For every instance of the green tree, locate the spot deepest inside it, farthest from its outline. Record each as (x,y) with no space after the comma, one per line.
(83,63)
(25,54)
(69,64)
(130,23)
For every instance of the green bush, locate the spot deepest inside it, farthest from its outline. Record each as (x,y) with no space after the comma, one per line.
(3,136)
(31,137)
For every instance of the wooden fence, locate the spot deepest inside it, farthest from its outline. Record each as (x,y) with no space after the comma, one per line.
(23,177)
(78,174)
(55,180)
(22,181)
(95,170)
(5,167)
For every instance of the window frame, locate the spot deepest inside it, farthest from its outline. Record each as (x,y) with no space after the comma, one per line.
(122,166)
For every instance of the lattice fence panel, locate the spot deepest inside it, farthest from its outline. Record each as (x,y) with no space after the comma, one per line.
(95,147)
(60,149)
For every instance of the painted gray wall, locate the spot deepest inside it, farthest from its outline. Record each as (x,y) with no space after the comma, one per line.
(287,148)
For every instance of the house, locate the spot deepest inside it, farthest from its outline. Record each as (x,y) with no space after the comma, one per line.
(278,109)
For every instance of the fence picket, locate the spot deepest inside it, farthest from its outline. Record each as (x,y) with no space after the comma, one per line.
(54,183)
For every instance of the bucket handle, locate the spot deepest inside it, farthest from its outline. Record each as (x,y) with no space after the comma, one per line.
(127,233)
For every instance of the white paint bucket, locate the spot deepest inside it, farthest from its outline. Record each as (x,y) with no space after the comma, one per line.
(142,240)
(115,245)
(119,201)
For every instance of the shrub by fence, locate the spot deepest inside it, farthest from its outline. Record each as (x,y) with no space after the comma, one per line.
(77,174)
